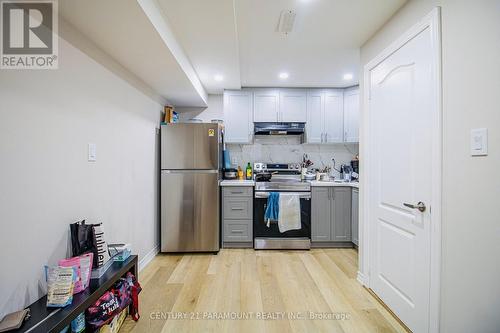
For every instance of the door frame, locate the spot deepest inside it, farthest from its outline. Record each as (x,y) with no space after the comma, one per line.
(431,21)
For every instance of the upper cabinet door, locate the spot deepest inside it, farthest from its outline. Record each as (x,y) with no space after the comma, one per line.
(351,115)
(334,116)
(238,109)
(266,105)
(315,115)
(293,106)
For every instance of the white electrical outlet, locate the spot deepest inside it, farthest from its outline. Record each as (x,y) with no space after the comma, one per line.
(479,142)
(92,152)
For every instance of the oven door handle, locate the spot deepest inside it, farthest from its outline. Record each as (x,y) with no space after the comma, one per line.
(302,195)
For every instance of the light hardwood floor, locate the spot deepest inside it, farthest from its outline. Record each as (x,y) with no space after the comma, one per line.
(258,285)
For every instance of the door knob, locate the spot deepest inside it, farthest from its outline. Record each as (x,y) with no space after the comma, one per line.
(420,206)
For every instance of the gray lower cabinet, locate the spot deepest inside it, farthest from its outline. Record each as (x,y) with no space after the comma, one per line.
(331,215)
(355,215)
(237,217)
(341,211)
(321,225)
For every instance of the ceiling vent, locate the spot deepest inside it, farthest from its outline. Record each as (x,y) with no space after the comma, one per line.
(285,24)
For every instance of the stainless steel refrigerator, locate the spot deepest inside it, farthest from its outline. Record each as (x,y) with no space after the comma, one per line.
(190,162)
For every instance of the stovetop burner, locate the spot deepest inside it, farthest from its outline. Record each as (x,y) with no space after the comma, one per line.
(286,177)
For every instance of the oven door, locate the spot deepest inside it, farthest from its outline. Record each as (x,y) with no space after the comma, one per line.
(260,229)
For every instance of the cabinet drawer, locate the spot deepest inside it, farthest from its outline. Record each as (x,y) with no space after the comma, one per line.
(238,208)
(237,231)
(246,191)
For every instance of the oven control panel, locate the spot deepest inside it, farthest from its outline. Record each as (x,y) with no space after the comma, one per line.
(260,167)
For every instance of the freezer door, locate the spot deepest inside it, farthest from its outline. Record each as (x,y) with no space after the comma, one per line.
(189,211)
(190,146)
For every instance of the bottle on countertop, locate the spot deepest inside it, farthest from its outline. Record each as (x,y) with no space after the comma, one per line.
(249,171)
(240,173)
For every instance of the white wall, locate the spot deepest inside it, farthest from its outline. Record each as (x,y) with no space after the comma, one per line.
(47,118)
(470,292)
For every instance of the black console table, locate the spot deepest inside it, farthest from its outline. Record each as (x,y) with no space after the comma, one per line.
(53,320)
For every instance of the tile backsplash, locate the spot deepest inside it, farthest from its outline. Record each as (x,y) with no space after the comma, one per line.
(288,149)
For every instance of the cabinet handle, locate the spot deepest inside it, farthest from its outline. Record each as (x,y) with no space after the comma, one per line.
(237,231)
(326,137)
(236,208)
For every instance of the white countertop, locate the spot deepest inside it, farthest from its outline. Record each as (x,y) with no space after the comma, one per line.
(313,183)
(333,183)
(237,183)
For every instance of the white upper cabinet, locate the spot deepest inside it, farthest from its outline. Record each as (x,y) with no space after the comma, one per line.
(315,116)
(331,115)
(293,106)
(334,116)
(266,105)
(325,120)
(351,115)
(238,111)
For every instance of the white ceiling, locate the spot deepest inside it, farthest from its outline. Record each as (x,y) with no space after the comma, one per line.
(247,50)
(178,46)
(323,46)
(206,30)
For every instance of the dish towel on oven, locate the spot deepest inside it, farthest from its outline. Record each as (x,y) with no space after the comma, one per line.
(272,209)
(289,212)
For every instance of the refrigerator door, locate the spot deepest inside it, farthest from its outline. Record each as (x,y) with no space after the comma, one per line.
(190,146)
(189,211)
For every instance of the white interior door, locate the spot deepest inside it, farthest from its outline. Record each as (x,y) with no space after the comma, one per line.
(402,111)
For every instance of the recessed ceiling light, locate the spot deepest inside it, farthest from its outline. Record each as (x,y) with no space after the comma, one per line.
(348,76)
(218,77)
(283,75)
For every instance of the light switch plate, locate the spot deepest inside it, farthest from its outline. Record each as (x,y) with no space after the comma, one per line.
(92,152)
(479,142)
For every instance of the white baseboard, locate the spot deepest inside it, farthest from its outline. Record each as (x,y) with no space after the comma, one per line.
(362,279)
(148,257)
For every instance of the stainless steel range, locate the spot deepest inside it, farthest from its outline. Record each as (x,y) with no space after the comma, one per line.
(285,179)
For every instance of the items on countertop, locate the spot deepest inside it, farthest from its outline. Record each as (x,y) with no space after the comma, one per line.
(227,159)
(248,172)
(230,173)
(240,173)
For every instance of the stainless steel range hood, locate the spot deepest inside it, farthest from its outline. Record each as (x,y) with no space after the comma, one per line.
(279,128)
